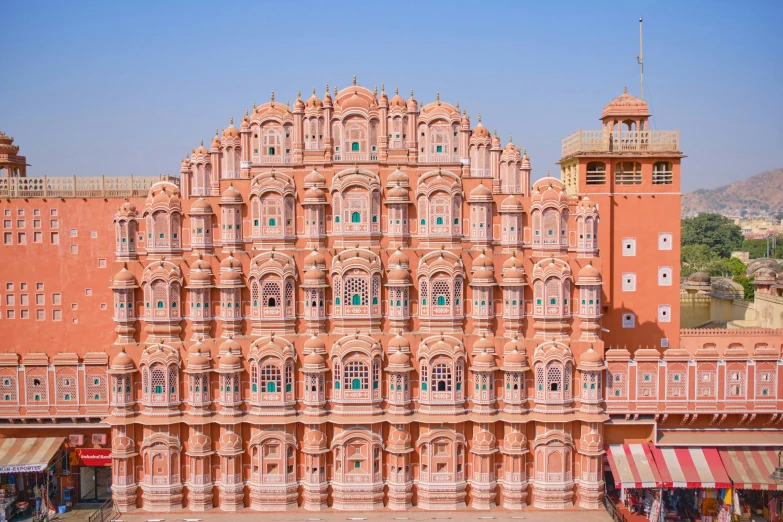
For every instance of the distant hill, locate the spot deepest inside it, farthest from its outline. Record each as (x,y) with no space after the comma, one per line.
(761,195)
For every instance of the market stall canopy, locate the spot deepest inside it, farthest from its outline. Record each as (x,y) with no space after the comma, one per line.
(28,454)
(632,466)
(692,467)
(750,468)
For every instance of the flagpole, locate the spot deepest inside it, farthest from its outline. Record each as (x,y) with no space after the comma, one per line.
(640,59)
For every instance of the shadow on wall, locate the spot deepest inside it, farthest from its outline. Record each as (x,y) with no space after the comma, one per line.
(625,331)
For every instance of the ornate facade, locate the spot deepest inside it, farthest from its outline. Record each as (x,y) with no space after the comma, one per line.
(363,302)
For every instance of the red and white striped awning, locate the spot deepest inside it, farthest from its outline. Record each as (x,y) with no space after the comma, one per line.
(30,454)
(691,467)
(632,466)
(750,468)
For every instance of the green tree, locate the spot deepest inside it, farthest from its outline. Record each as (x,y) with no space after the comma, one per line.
(714,231)
(696,258)
(722,267)
(758,248)
(747,284)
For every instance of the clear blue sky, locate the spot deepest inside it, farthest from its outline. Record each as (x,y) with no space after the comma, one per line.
(116,88)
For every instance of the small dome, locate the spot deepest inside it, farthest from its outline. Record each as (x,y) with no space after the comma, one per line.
(514,441)
(314,360)
(314,258)
(699,277)
(197,361)
(479,131)
(587,203)
(482,273)
(514,357)
(399,439)
(399,358)
(231,196)
(591,356)
(625,105)
(231,262)
(513,273)
(588,272)
(397,177)
(484,359)
(765,275)
(315,194)
(314,178)
(230,443)
(199,443)
(201,150)
(122,361)
(398,192)
(413,106)
(314,440)
(199,276)
(230,361)
(512,262)
(484,344)
(511,203)
(127,208)
(483,440)
(315,275)
(480,192)
(124,277)
(399,274)
(230,345)
(231,131)
(230,276)
(298,103)
(482,261)
(314,343)
(397,101)
(398,342)
(201,206)
(398,258)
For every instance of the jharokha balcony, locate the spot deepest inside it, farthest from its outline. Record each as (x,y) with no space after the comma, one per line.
(613,140)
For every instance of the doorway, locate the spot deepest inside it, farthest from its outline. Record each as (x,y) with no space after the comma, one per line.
(94,483)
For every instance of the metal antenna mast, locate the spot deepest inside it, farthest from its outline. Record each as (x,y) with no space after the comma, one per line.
(640,61)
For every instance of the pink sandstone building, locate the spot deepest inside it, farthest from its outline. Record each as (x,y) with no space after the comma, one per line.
(362,302)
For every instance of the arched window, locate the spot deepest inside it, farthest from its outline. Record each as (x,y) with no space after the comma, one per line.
(355,146)
(270,378)
(439,221)
(441,300)
(272,222)
(356,299)
(357,376)
(356,217)
(628,173)
(441,377)
(596,173)
(662,173)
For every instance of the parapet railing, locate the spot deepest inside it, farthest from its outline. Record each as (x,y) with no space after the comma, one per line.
(80,187)
(701,332)
(606,140)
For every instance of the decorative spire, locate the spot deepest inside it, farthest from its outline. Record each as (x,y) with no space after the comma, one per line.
(246,113)
(314,91)
(383,87)
(202,142)
(273,97)
(525,152)
(457,106)
(465,112)
(216,132)
(511,138)
(547,173)
(375,91)
(254,106)
(437,97)
(496,133)
(625,89)
(411,93)
(354,79)
(479,117)
(396,90)
(299,94)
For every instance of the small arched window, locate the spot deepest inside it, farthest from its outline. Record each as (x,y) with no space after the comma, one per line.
(356,217)
(596,173)
(441,300)
(439,221)
(662,173)
(272,222)
(355,146)
(356,299)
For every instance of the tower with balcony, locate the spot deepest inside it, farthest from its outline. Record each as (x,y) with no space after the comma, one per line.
(631,173)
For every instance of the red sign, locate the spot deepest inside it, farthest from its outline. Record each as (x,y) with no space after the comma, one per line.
(94,457)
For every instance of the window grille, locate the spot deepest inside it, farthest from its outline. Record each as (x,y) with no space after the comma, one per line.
(441,377)
(96,387)
(270,378)
(270,294)
(356,376)
(66,388)
(356,291)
